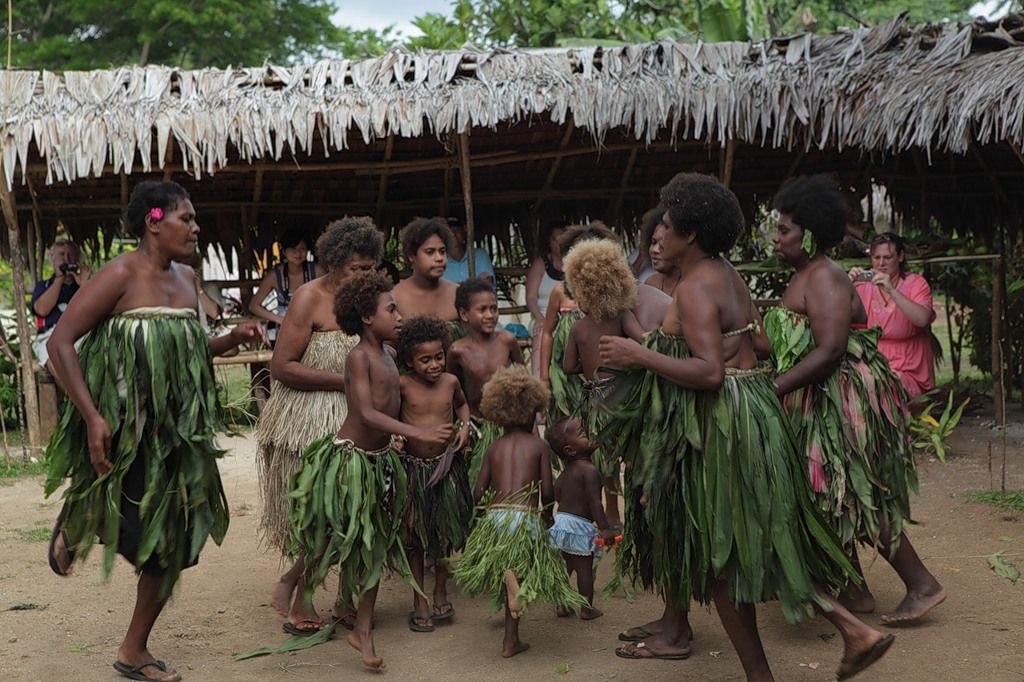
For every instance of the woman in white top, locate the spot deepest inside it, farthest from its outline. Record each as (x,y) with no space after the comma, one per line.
(544,275)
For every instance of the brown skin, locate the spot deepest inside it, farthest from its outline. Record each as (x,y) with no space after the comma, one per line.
(667,275)
(483,351)
(425,292)
(150,276)
(311,310)
(822,291)
(581,351)
(578,492)
(651,306)
(516,460)
(373,386)
(712,299)
(429,397)
(295,260)
(559,301)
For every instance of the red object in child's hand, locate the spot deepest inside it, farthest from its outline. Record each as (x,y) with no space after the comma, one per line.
(608,544)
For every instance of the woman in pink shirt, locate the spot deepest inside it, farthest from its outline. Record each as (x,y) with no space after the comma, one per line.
(899,302)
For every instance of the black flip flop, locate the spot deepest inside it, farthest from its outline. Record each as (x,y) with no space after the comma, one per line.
(857,664)
(135,672)
(446,614)
(416,627)
(294,630)
(58,531)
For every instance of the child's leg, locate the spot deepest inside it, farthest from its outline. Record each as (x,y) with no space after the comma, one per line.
(862,645)
(134,650)
(858,598)
(511,645)
(361,637)
(584,568)
(924,592)
(420,618)
(565,611)
(740,623)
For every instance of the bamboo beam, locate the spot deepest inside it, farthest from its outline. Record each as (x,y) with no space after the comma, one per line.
(28,378)
(36,262)
(615,207)
(168,158)
(257,197)
(467,200)
(442,205)
(725,162)
(124,204)
(382,187)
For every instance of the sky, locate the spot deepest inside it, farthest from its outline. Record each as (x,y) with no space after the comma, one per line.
(378,14)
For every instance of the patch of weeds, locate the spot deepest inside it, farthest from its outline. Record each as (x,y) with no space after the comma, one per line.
(37,534)
(21,468)
(1010,499)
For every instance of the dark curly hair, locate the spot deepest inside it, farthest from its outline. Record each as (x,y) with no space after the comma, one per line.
(149,195)
(577,233)
(347,237)
(357,298)
(548,228)
(291,238)
(422,229)
(468,288)
(513,397)
(558,434)
(815,203)
(648,223)
(699,204)
(421,329)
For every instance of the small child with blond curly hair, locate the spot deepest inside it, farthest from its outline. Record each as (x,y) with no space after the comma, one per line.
(508,555)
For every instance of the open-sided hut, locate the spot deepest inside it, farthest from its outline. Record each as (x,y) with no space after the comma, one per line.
(933,113)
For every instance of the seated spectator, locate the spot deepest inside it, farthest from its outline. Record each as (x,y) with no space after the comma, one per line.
(543,276)
(295,270)
(50,297)
(899,302)
(457,269)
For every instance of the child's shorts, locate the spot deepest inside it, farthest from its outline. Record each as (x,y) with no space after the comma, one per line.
(573,534)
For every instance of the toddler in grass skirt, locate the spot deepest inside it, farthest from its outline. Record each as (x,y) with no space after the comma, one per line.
(508,555)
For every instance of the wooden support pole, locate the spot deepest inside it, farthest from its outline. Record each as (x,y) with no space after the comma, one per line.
(168,157)
(467,200)
(998,387)
(257,197)
(615,207)
(382,186)
(442,205)
(125,228)
(725,162)
(36,255)
(28,377)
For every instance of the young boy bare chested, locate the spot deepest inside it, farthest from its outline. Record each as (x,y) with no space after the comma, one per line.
(442,506)
(578,494)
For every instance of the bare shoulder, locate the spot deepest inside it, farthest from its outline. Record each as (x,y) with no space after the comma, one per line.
(458,346)
(449,287)
(508,338)
(449,381)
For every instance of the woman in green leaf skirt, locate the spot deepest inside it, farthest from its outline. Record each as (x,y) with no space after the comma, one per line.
(751,531)
(847,406)
(136,442)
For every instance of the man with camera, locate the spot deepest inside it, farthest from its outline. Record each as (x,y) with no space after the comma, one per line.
(50,297)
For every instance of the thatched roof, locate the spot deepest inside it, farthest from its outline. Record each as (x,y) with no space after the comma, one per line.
(855,102)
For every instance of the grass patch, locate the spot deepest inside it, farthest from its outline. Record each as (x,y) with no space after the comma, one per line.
(37,534)
(20,468)
(1011,499)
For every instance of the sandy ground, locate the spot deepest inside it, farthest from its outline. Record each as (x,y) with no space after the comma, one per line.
(221,607)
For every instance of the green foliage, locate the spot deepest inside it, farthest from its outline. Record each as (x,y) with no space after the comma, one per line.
(20,468)
(1003,567)
(37,534)
(1005,499)
(91,34)
(929,435)
(10,396)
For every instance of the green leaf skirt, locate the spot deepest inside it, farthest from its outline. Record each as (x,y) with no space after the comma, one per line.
(440,515)
(726,494)
(514,537)
(565,388)
(149,373)
(347,507)
(854,430)
(482,435)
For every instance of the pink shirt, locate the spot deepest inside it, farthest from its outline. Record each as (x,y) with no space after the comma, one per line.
(908,348)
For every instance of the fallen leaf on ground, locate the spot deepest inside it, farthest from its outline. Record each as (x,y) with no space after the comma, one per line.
(562,668)
(813,665)
(1003,567)
(715,654)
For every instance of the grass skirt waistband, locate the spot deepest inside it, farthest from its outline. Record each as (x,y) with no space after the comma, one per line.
(439,515)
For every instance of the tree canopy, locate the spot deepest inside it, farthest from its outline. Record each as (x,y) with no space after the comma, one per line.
(89,34)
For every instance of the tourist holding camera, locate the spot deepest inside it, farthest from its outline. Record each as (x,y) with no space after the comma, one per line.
(900,302)
(50,297)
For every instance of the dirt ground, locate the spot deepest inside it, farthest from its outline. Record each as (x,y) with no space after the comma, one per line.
(221,606)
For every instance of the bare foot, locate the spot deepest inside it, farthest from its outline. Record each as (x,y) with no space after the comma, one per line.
(590,613)
(915,605)
(517,647)
(515,606)
(281,599)
(144,663)
(370,658)
(563,611)
(858,600)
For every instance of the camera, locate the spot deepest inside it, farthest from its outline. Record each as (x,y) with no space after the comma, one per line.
(866,275)
(69,268)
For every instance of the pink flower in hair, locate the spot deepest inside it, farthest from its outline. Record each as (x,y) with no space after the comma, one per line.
(156,213)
